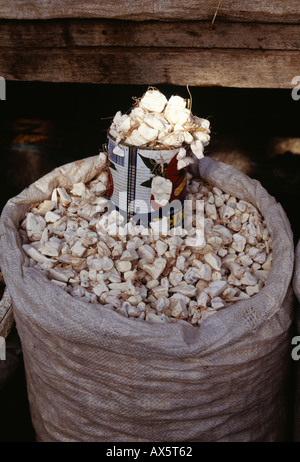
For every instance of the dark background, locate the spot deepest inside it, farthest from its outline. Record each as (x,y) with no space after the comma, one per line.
(43,125)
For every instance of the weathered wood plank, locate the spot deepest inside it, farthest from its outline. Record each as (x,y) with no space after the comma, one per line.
(287,11)
(95,33)
(231,68)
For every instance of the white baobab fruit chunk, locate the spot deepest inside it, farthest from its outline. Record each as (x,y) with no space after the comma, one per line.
(162,304)
(211,211)
(181,154)
(45,235)
(238,243)
(171,140)
(117,117)
(124,123)
(202,123)
(100,288)
(242,206)
(215,288)
(45,207)
(161,247)
(176,111)
(268,263)
(245,260)
(91,298)
(203,299)
(54,196)
(156,268)
(61,275)
(102,159)
(222,252)
(226,212)
(123,266)
(217,303)
(248,279)
(117,249)
(35,225)
(188,290)
(108,263)
(60,283)
(78,189)
(192,275)
(159,226)
(152,283)
(89,238)
(135,300)
(113,132)
(35,254)
(188,137)
(129,255)
(183,163)
(236,269)
(134,243)
(154,318)
(147,253)
(77,249)
(161,189)
(72,225)
(153,101)
(130,275)
(205,272)
(213,260)
(137,114)
(160,291)
(51,249)
(136,139)
(251,290)
(155,122)
(179,136)
(203,137)
(65,199)
(224,233)
(175,277)
(179,309)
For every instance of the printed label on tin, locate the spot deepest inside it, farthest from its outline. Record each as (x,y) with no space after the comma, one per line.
(131,176)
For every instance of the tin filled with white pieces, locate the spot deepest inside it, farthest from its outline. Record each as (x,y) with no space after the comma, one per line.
(145,183)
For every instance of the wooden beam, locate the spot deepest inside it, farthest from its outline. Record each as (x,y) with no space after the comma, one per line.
(263,11)
(181,66)
(184,34)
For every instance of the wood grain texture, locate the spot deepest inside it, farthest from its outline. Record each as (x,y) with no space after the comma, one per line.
(114,65)
(287,11)
(107,33)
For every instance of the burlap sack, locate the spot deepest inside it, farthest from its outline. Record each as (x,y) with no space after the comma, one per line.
(6,314)
(10,348)
(94,375)
(296,286)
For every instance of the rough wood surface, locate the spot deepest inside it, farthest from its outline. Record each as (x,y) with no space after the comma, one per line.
(6,315)
(107,33)
(287,11)
(115,65)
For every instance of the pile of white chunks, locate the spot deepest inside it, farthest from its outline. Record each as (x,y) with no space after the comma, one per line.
(140,272)
(161,123)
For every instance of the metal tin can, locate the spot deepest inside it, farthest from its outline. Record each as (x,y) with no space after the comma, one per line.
(131,177)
